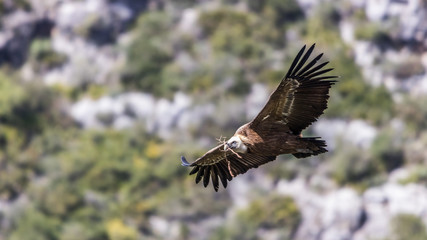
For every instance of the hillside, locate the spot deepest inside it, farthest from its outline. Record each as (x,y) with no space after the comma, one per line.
(100,98)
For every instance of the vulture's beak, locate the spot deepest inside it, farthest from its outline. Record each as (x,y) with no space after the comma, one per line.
(226,146)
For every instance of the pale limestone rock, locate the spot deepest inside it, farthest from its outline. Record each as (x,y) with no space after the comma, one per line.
(332,215)
(164,228)
(376,10)
(357,132)
(347,31)
(256,100)
(188,23)
(384,202)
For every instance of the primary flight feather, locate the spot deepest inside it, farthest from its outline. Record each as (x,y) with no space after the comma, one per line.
(298,101)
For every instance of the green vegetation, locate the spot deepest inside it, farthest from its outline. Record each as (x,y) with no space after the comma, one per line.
(410,67)
(96,184)
(375,33)
(321,27)
(407,226)
(148,54)
(354,98)
(387,151)
(61,181)
(363,169)
(350,166)
(413,112)
(83,179)
(11,94)
(417,175)
(272,212)
(43,57)
(229,49)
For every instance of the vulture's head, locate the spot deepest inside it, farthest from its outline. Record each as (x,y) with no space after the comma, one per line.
(236,144)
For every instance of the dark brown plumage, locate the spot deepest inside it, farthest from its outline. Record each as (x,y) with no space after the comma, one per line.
(298,101)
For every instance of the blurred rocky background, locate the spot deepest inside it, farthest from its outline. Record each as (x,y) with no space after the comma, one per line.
(99,98)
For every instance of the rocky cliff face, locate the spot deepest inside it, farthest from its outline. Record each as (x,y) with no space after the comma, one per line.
(387,39)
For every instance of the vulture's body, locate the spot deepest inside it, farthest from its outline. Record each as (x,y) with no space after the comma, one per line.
(298,101)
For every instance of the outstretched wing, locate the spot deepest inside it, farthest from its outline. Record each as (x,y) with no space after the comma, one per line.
(218,164)
(301,96)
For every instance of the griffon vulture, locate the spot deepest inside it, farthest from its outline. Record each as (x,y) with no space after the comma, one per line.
(298,101)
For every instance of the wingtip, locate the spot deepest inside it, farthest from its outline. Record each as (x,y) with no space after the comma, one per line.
(184,162)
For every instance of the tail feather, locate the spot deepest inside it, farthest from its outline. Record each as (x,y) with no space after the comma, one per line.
(315,147)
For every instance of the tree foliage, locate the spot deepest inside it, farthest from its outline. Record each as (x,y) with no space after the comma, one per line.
(61,181)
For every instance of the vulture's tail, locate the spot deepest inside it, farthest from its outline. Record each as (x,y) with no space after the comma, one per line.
(314,145)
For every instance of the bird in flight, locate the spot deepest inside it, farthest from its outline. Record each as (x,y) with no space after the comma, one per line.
(298,101)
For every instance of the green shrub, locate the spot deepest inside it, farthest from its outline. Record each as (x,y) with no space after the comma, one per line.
(273,212)
(413,112)
(375,33)
(350,166)
(286,167)
(87,177)
(409,68)
(14,167)
(241,87)
(321,27)
(34,225)
(234,41)
(256,5)
(182,4)
(202,80)
(26,110)
(233,32)
(58,200)
(70,230)
(286,12)
(352,97)
(11,94)
(149,52)
(39,109)
(240,53)
(117,230)
(386,150)
(221,19)
(43,57)
(417,175)
(366,31)
(407,226)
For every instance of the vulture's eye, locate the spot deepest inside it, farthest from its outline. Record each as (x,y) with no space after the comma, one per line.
(233,144)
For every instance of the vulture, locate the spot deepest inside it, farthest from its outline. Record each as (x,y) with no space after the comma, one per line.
(297,102)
